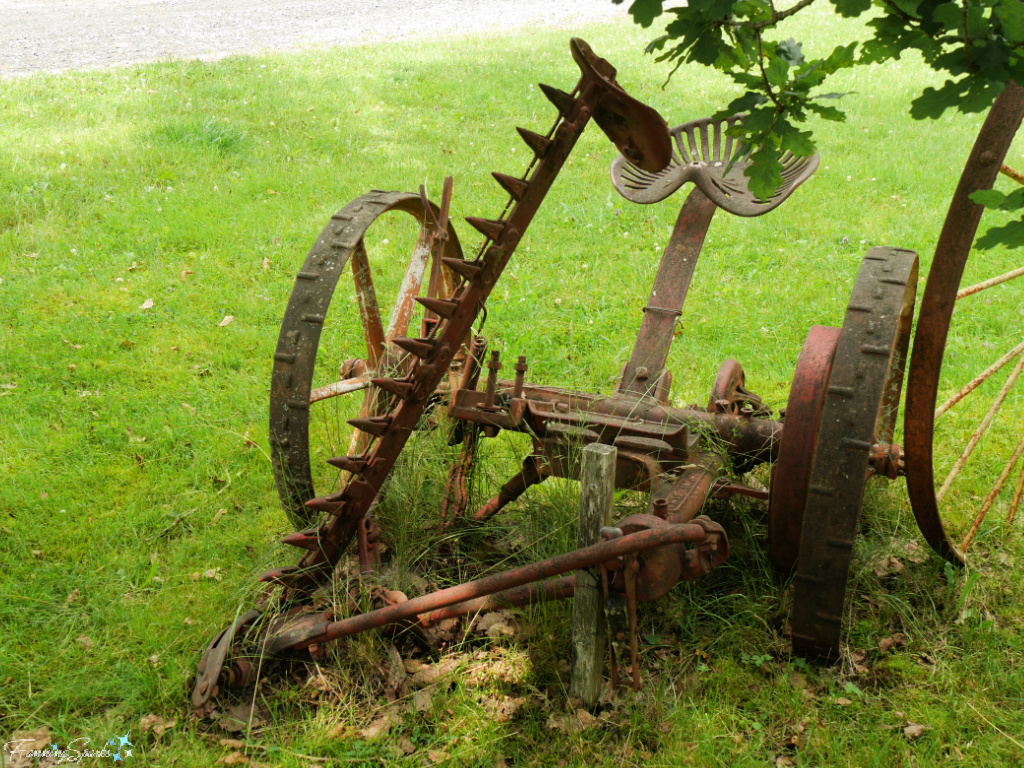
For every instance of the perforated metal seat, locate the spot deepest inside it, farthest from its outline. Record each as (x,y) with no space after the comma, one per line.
(703,153)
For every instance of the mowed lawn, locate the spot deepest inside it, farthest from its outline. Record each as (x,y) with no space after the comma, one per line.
(152,220)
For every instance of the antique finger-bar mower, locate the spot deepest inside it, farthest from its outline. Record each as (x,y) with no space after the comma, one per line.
(836,430)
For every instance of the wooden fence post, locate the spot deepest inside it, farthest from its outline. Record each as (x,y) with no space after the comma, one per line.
(597,497)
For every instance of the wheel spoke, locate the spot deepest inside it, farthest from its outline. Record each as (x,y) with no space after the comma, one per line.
(989,283)
(340,388)
(980,431)
(990,499)
(368,310)
(979,380)
(1016,496)
(398,324)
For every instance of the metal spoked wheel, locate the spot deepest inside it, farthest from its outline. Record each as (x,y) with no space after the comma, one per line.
(964,417)
(319,362)
(857,423)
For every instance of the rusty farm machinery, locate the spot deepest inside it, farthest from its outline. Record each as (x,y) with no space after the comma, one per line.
(835,434)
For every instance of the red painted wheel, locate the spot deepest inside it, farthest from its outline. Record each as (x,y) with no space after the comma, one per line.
(791,475)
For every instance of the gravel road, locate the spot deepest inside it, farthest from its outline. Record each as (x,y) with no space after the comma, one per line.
(56,35)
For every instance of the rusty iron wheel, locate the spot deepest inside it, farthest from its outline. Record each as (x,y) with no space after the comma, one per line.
(318,363)
(858,415)
(963,431)
(791,475)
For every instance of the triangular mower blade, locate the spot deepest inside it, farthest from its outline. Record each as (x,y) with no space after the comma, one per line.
(535,141)
(418,347)
(515,187)
(375,425)
(309,539)
(395,387)
(487,227)
(348,464)
(466,269)
(441,307)
(563,101)
(324,505)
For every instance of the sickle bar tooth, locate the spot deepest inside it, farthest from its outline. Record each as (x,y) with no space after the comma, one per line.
(466,269)
(535,141)
(418,347)
(310,539)
(375,425)
(347,463)
(325,505)
(563,101)
(515,187)
(398,388)
(487,227)
(283,576)
(441,307)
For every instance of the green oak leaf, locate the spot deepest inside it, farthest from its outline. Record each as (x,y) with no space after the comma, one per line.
(712,9)
(656,44)
(826,112)
(851,8)
(1009,235)
(842,57)
(997,201)
(777,72)
(791,51)
(933,102)
(1011,14)
(990,198)
(794,140)
(949,15)
(765,172)
(644,12)
(760,119)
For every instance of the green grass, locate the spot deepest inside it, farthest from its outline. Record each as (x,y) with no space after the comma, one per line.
(124,431)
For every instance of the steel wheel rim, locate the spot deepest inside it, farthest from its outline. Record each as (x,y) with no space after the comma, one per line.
(924,385)
(340,247)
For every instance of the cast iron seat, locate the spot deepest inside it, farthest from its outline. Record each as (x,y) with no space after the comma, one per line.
(714,161)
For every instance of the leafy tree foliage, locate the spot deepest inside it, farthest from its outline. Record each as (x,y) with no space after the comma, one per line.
(978,44)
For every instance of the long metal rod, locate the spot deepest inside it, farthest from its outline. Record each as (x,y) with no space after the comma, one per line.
(982,428)
(979,379)
(528,594)
(990,499)
(340,388)
(571,561)
(989,283)
(1017,493)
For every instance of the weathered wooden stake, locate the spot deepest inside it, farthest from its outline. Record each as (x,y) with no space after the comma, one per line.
(597,496)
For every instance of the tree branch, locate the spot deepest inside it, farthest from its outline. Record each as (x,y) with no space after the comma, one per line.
(757,26)
(764,75)
(900,12)
(967,35)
